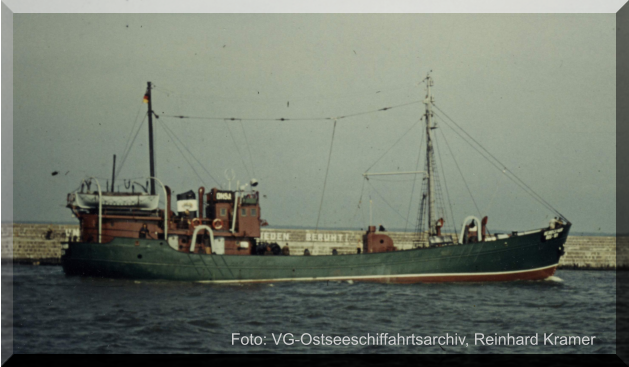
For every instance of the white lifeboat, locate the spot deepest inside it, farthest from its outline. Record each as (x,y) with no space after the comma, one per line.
(140,201)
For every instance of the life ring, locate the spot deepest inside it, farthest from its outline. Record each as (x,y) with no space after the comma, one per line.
(217,223)
(196,222)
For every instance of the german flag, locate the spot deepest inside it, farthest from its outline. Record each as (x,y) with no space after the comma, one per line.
(146,98)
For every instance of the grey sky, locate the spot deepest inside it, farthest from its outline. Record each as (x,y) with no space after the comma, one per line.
(538,91)
(7,114)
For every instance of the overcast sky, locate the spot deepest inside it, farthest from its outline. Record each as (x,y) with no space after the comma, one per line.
(538,91)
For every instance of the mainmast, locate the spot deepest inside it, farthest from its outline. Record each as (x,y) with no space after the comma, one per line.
(147,96)
(429,158)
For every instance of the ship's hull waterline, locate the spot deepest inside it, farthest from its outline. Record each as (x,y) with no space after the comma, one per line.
(525,257)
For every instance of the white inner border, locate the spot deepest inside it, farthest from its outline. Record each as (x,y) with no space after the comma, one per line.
(311,6)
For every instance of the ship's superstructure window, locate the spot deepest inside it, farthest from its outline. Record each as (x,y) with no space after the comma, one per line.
(223,212)
(243,212)
(254,212)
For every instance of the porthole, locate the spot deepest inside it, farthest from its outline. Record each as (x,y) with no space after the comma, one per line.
(140,256)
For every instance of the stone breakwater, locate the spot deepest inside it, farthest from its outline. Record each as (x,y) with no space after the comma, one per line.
(34,244)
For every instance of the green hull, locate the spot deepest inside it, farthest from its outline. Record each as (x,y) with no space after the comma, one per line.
(529,256)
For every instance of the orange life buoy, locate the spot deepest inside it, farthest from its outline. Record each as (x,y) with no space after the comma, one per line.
(196,222)
(217,223)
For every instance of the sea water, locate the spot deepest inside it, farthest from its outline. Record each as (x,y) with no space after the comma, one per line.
(55,313)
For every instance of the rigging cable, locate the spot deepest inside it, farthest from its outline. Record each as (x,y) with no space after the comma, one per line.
(421,211)
(189,152)
(441,210)
(291,119)
(445,183)
(167,92)
(421,235)
(380,179)
(135,121)
(504,170)
(494,193)
(242,126)
(461,173)
(124,158)
(325,181)
(180,151)
(386,202)
(531,191)
(408,213)
(237,149)
(360,200)
(394,144)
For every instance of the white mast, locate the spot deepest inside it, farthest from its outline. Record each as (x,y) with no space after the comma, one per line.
(429,158)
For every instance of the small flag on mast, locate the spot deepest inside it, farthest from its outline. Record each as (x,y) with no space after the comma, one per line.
(146,98)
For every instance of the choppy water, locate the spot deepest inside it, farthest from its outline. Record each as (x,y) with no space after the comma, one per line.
(7,311)
(58,314)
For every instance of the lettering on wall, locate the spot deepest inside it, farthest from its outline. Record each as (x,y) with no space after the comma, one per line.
(308,236)
(327,237)
(274,236)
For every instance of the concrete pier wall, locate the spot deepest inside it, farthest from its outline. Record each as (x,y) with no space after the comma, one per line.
(27,243)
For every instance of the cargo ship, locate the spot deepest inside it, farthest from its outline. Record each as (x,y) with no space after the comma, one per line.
(214,237)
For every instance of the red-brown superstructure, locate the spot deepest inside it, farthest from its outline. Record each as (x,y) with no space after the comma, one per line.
(233,219)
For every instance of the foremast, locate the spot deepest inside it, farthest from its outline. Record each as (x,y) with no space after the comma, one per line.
(148,99)
(429,158)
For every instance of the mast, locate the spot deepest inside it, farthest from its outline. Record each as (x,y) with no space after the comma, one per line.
(151,158)
(429,158)
(113,174)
